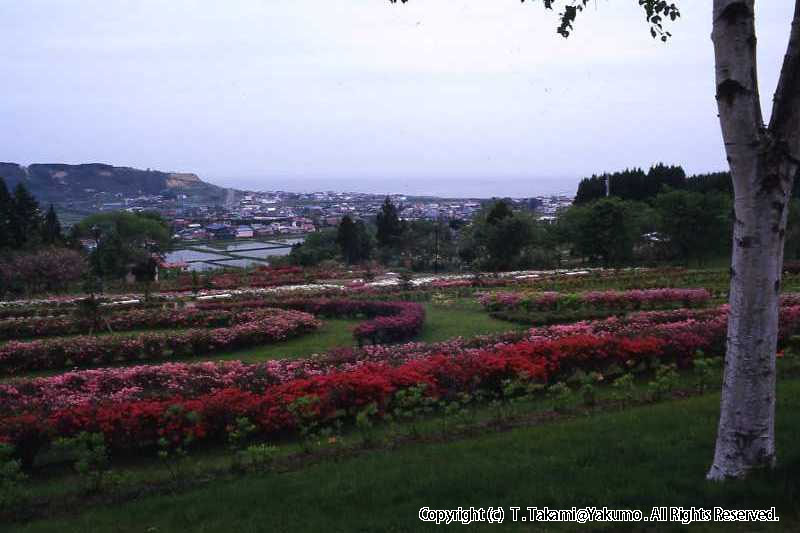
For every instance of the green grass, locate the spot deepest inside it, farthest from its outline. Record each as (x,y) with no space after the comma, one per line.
(468,320)
(334,333)
(442,323)
(639,458)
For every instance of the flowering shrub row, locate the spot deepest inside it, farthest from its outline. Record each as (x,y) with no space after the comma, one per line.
(167,380)
(679,334)
(248,329)
(388,321)
(131,425)
(633,299)
(126,320)
(407,323)
(269,276)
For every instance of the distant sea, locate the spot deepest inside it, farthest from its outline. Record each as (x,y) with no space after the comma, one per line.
(441,187)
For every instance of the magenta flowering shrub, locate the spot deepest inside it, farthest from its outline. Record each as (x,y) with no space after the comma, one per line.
(405,324)
(611,300)
(134,405)
(674,336)
(248,329)
(388,321)
(51,269)
(108,385)
(127,320)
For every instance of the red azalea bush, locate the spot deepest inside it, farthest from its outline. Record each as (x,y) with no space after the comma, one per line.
(548,354)
(247,329)
(138,425)
(682,332)
(167,380)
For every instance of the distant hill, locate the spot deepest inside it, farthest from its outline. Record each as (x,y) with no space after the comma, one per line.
(59,183)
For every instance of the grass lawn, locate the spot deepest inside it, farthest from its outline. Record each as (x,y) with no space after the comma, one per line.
(639,458)
(468,320)
(333,333)
(441,323)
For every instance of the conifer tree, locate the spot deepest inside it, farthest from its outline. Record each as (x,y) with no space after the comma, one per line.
(51,229)
(26,218)
(6,207)
(390,227)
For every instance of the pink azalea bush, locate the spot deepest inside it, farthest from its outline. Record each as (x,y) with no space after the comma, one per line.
(612,300)
(388,321)
(131,421)
(248,329)
(678,335)
(125,320)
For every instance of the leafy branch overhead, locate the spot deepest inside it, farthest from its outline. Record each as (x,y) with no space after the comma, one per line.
(656,13)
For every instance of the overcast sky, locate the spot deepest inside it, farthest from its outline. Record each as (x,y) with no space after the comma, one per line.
(286,92)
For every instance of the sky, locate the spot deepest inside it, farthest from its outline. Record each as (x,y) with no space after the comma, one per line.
(431,96)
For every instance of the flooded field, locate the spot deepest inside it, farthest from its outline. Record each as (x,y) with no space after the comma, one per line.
(239,254)
(189,256)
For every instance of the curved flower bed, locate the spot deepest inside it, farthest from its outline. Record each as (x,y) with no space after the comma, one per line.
(167,380)
(612,300)
(340,394)
(246,329)
(388,321)
(216,396)
(126,320)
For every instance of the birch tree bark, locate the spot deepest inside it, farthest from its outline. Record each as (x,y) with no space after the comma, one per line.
(763,162)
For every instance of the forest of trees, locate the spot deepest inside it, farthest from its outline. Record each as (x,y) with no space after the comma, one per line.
(660,216)
(33,253)
(36,256)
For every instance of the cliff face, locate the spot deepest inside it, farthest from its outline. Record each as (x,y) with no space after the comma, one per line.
(60,183)
(182,180)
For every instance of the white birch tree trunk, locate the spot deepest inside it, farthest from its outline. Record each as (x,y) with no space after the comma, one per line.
(763,162)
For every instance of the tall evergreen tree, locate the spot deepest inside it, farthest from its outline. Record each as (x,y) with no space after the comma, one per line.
(347,239)
(661,175)
(51,229)
(365,241)
(354,240)
(499,211)
(6,208)
(390,227)
(590,189)
(26,218)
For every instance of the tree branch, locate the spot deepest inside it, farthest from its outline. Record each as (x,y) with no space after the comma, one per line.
(784,125)
(738,101)
(656,13)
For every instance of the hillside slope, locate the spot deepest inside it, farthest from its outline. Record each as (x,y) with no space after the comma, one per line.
(61,183)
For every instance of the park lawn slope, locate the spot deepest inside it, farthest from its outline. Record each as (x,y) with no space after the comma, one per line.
(639,458)
(441,323)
